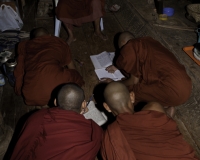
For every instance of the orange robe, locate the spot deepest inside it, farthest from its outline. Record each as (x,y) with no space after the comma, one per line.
(145,135)
(161,77)
(76,12)
(58,134)
(40,69)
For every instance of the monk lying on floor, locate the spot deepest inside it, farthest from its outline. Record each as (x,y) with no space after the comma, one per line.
(43,63)
(145,135)
(60,133)
(154,73)
(75,12)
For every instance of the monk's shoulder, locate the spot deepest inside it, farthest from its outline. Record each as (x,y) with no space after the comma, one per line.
(22,44)
(133,45)
(112,129)
(152,118)
(37,117)
(62,43)
(144,41)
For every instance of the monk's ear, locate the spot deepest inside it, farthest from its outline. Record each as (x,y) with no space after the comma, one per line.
(106,107)
(132,97)
(55,102)
(84,108)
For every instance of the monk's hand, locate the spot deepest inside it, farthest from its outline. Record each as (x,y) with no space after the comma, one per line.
(106,80)
(84,110)
(111,69)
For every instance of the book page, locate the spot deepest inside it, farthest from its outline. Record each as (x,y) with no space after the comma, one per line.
(101,60)
(112,55)
(95,114)
(118,75)
(102,73)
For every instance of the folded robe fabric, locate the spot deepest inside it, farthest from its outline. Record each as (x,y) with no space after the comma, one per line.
(161,77)
(41,68)
(151,135)
(115,145)
(58,134)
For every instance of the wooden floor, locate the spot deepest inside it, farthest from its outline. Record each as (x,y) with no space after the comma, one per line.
(85,45)
(13,108)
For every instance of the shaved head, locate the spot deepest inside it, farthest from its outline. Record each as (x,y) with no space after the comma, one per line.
(124,38)
(117,97)
(70,97)
(37,32)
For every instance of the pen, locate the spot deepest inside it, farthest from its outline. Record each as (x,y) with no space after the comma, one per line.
(80,63)
(90,99)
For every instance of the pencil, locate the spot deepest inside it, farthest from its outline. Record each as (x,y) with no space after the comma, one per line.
(90,99)
(80,63)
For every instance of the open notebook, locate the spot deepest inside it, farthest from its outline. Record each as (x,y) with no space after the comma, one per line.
(93,113)
(103,60)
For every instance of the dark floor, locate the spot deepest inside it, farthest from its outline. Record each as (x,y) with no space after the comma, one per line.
(138,17)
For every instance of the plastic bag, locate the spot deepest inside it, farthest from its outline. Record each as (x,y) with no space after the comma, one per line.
(9,19)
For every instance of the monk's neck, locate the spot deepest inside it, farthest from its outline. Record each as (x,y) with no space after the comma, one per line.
(127,110)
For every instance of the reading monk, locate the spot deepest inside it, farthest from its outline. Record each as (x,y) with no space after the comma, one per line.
(154,73)
(145,135)
(61,132)
(43,63)
(76,12)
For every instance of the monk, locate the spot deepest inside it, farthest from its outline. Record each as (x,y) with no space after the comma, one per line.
(75,12)
(61,132)
(145,135)
(43,63)
(154,73)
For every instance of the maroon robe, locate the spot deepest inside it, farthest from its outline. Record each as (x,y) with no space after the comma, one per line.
(145,135)
(76,12)
(41,68)
(161,77)
(58,134)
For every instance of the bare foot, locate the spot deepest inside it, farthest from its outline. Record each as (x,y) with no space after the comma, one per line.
(101,35)
(170,111)
(41,107)
(70,40)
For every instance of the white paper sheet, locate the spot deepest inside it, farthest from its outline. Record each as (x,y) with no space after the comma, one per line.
(94,114)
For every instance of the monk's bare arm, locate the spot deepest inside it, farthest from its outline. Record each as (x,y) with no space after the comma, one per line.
(130,81)
(127,82)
